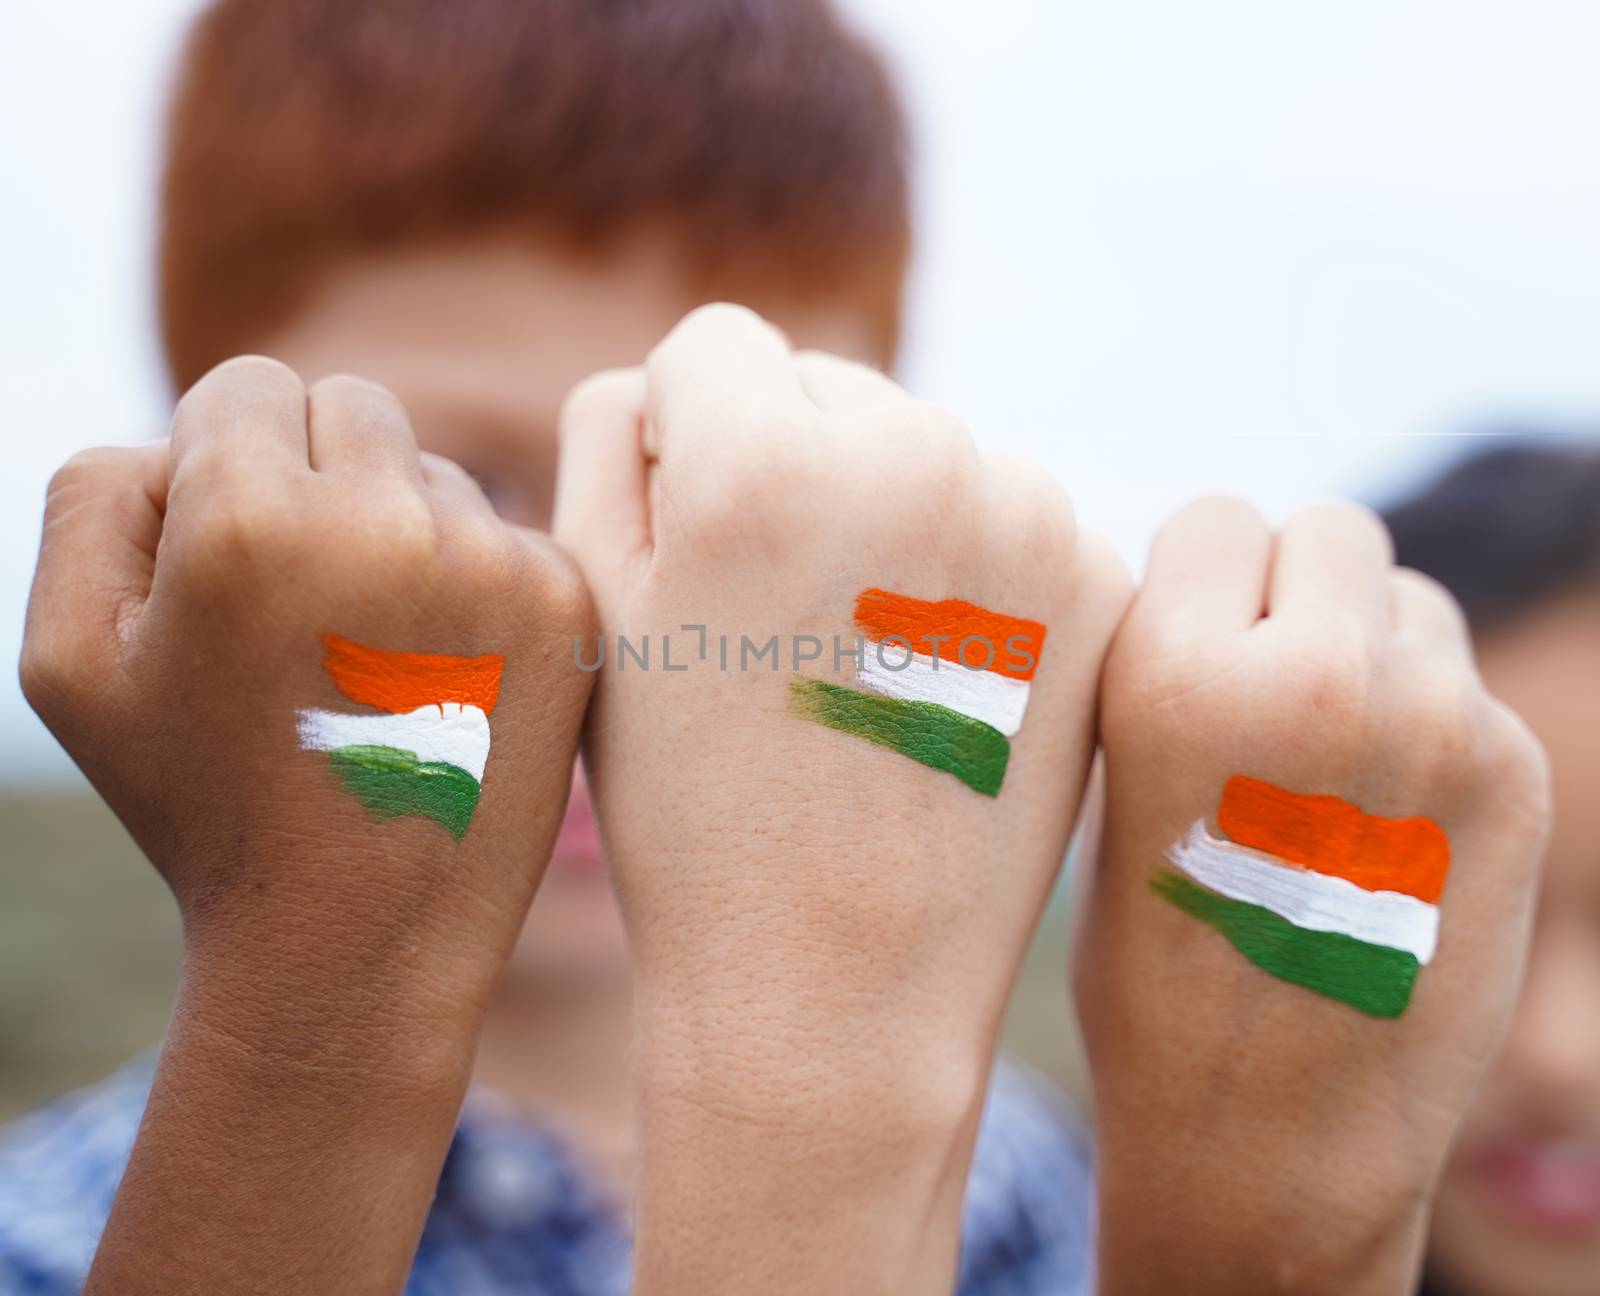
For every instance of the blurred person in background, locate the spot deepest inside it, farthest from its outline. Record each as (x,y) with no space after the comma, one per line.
(1514,534)
(476,204)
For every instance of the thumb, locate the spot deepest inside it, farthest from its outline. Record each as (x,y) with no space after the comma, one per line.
(97,558)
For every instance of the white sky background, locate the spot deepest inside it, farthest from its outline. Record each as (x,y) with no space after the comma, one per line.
(1164,247)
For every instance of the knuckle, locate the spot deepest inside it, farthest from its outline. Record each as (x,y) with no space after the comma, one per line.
(357,403)
(1104,577)
(1346,520)
(244,389)
(606,395)
(471,530)
(345,389)
(407,526)
(938,432)
(447,469)
(859,383)
(1043,510)
(84,473)
(481,537)
(93,463)
(825,362)
(723,315)
(351,384)
(44,675)
(564,601)
(233,528)
(1429,595)
(706,323)
(933,455)
(253,373)
(1514,758)
(1215,518)
(243,534)
(1435,715)
(56,666)
(1231,512)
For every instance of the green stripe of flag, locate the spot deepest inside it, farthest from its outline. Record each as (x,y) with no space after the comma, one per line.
(937,736)
(1373,978)
(392,782)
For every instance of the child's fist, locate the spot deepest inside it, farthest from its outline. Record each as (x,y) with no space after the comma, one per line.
(326,689)
(834,814)
(1307,922)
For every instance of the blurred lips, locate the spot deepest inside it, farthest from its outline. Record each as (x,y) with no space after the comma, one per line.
(1551,1184)
(577,851)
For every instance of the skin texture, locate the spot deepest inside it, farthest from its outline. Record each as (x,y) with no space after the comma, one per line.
(1518,1213)
(1255,1136)
(336,965)
(481,340)
(824,931)
(926,732)
(1375,979)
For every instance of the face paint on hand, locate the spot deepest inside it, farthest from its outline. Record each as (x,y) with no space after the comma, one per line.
(948,684)
(1316,892)
(425,751)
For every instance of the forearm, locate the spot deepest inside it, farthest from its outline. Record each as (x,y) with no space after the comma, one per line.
(290,1161)
(802,1173)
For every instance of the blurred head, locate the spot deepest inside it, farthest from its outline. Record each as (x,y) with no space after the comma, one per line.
(1515,535)
(480,202)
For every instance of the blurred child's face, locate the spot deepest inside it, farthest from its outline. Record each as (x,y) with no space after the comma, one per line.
(482,340)
(1519,1213)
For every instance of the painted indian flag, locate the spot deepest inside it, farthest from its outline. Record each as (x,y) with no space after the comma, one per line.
(1317,892)
(946,683)
(423,747)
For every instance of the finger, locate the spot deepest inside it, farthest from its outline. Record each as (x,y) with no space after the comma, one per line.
(602,511)
(360,428)
(1208,565)
(834,383)
(102,524)
(452,490)
(722,371)
(449,478)
(1422,609)
(1333,555)
(247,413)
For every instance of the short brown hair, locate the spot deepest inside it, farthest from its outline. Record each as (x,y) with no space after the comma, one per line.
(767,137)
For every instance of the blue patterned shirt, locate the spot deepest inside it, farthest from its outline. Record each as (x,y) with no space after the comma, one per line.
(514,1215)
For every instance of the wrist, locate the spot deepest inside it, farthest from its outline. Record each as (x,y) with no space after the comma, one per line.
(805,1150)
(314,1006)
(841,1187)
(1263,1212)
(320,1144)
(806,1067)
(409,953)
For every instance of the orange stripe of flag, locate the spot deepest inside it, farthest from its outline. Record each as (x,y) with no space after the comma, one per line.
(1329,835)
(403,681)
(940,627)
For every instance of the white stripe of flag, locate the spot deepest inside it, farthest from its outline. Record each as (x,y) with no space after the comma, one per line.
(995,699)
(448,733)
(1315,901)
